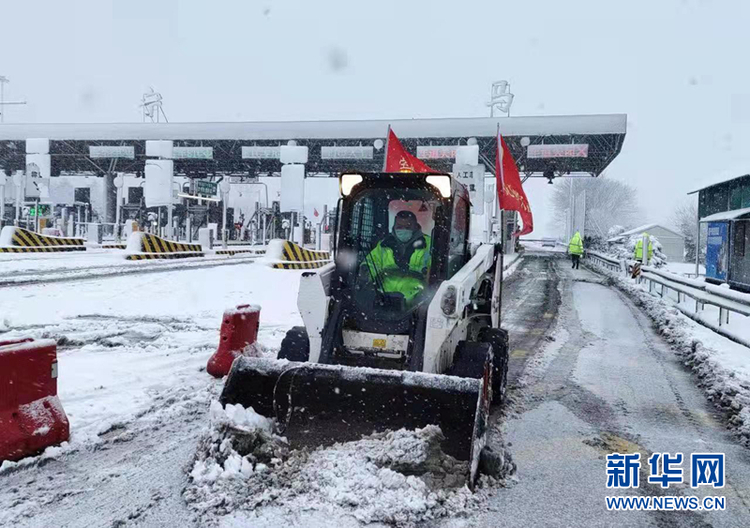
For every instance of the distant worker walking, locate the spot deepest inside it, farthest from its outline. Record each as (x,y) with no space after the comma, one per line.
(638,252)
(575,248)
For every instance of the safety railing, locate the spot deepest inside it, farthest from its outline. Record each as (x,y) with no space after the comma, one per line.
(660,283)
(702,293)
(604,261)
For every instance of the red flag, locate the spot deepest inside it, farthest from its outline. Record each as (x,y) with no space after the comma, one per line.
(398,160)
(315,211)
(509,188)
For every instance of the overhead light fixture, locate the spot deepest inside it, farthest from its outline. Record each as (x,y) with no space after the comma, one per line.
(549,173)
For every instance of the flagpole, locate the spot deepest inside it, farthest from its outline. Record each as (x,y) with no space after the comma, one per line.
(387,142)
(496,314)
(501,180)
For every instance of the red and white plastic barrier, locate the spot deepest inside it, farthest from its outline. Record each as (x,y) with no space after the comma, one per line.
(31,415)
(239,331)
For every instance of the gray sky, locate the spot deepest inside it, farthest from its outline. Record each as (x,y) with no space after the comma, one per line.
(678,68)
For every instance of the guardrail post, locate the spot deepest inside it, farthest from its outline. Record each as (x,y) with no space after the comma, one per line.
(721,314)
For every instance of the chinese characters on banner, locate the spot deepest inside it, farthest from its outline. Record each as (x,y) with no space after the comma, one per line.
(397,159)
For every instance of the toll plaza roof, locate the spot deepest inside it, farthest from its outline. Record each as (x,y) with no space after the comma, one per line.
(565,144)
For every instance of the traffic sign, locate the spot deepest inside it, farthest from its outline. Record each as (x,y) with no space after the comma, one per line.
(40,210)
(205,188)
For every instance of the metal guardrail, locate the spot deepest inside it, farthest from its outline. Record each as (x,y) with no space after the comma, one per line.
(726,303)
(701,292)
(605,261)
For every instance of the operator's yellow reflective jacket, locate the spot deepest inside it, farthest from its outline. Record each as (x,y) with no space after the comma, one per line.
(402,268)
(638,254)
(575,247)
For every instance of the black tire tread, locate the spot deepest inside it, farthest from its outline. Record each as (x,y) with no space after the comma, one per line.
(296,345)
(498,339)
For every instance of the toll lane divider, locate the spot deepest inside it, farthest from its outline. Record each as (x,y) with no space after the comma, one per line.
(31,415)
(240,251)
(144,246)
(18,240)
(283,254)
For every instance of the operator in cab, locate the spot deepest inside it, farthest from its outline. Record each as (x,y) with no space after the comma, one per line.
(400,262)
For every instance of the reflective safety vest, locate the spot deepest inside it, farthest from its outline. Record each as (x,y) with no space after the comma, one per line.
(639,248)
(408,279)
(575,247)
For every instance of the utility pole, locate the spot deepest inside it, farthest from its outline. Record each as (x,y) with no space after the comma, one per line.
(3,81)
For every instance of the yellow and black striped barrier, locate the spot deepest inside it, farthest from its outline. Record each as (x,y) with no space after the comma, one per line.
(294,253)
(151,256)
(300,265)
(292,256)
(240,251)
(114,246)
(19,240)
(144,246)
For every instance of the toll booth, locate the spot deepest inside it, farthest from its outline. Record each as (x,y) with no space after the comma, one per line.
(724,208)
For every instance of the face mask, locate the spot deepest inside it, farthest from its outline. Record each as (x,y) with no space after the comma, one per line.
(403,235)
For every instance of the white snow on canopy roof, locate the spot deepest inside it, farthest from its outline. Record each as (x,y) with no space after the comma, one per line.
(726,215)
(637,230)
(404,128)
(722,177)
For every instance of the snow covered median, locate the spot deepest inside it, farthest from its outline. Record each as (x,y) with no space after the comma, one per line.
(245,473)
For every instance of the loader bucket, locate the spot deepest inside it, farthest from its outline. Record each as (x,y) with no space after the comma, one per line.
(317,405)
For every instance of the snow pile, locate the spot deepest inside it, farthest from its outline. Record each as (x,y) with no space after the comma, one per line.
(241,443)
(719,364)
(615,231)
(398,477)
(626,250)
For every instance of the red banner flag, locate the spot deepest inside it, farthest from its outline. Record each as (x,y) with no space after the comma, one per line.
(398,160)
(509,189)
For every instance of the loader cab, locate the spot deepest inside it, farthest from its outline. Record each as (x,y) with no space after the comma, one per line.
(399,236)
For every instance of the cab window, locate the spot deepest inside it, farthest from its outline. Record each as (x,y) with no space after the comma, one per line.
(459,235)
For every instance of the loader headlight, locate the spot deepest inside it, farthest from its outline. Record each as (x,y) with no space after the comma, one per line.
(448,301)
(443,184)
(347,183)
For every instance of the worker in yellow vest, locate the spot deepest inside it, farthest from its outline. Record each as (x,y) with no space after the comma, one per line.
(575,248)
(638,253)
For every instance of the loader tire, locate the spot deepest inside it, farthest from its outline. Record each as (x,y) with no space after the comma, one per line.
(498,339)
(468,361)
(296,345)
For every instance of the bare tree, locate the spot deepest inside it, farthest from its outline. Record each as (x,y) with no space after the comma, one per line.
(608,202)
(684,220)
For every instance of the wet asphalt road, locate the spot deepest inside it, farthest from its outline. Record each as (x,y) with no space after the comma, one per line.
(589,377)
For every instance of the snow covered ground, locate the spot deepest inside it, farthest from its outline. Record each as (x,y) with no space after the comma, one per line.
(132,352)
(145,449)
(124,340)
(684,268)
(538,246)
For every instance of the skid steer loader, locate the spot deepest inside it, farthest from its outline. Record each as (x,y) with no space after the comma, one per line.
(397,334)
